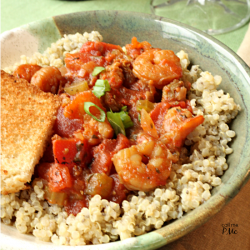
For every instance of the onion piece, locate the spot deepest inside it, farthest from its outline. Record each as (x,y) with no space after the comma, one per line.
(77,87)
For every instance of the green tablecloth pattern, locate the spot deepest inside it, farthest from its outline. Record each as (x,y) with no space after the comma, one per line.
(15,13)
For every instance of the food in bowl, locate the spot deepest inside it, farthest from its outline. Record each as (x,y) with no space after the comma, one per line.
(156,142)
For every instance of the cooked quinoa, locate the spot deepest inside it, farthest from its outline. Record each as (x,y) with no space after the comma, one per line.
(188,186)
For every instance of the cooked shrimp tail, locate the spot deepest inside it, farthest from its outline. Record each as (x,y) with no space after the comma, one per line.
(177,125)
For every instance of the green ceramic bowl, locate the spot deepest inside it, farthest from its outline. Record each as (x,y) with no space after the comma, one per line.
(118,28)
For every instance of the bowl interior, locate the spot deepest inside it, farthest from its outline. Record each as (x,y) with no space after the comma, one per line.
(118,28)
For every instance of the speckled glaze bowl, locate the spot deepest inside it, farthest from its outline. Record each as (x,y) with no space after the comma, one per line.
(118,28)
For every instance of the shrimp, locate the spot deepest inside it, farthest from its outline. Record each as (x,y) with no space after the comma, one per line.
(48,79)
(144,166)
(26,71)
(177,125)
(157,67)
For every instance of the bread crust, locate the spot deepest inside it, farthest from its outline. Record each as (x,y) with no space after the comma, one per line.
(27,118)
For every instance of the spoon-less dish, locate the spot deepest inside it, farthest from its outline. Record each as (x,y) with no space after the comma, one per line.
(167,35)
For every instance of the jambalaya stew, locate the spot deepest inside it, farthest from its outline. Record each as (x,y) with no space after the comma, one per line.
(140,138)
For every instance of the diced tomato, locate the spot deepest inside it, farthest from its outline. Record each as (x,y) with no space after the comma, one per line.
(158,113)
(119,192)
(129,97)
(102,159)
(104,152)
(99,48)
(78,186)
(75,206)
(183,104)
(92,54)
(72,61)
(70,151)
(75,61)
(136,48)
(42,170)
(64,126)
(121,142)
(59,177)
(82,63)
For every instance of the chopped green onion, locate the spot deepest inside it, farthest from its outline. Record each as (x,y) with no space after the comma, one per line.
(87,105)
(139,117)
(101,86)
(126,120)
(119,121)
(124,108)
(116,122)
(97,70)
(77,87)
(54,197)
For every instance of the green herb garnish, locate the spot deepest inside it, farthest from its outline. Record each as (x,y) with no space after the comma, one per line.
(101,86)
(87,105)
(116,122)
(126,120)
(97,71)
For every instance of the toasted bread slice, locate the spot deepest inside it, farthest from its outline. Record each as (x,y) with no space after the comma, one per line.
(27,118)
